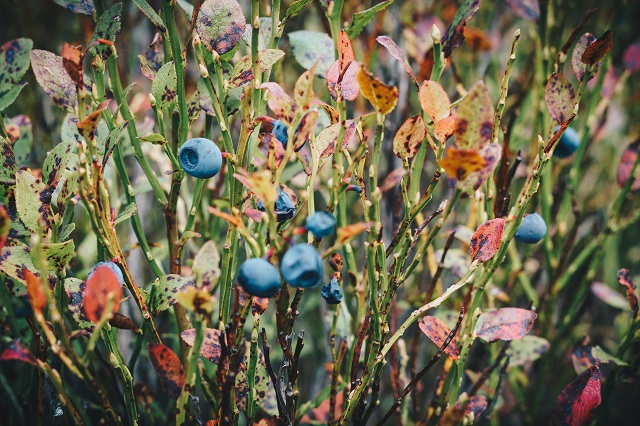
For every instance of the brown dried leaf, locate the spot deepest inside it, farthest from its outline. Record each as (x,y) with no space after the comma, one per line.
(597,50)
(438,331)
(625,280)
(345,52)
(72,56)
(445,128)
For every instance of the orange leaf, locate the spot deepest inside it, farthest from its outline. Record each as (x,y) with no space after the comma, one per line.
(460,163)
(409,137)
(168,367)
(101,282)
(384,98)
(486,240)
(445,128)
(437,331)
(434,100)
(37,298)
(345,52)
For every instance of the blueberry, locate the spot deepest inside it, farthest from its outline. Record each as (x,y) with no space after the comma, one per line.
(284,207)
(321,224)
(116,270)
(280,132)
(568,143)
(532,229)
(200,157)
(332,292)
(301,266)
(259,278)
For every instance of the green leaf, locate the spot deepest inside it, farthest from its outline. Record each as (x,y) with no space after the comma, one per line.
(13,259)
(23,146)
(112,141)
(187,7)
(32,202)
(74,288)
(150,13)
(69,129)
(54,79)
(602,356)
(220,25)
(527,349)
(56,162)
(154,138)
(361,19)
(166,289)
(294,10)
(206,265)
(126,213)
(14,62)
(8,97)
(262,386)
(107,28)
(67,186)
(264,34)
(7,163)
(474,119)
(84,7)
(455,33)
(310,47)
(164,86)
(65,231)
(59,254)
(193,106)
(243,70)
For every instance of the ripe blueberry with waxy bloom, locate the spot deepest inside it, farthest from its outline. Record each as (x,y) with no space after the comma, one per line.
(301,266)
(258,277)
(568,143)
(321,224)
(532,229)
(201,158)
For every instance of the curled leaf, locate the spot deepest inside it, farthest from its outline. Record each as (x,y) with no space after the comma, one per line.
(16,351)
(597,50)
(37,297)
(455,33)
(625,280)
(397,53)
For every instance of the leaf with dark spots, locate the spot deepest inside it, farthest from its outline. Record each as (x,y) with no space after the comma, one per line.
(397,53)
(305,129)
(474,118)
(101,284)
(16,351)
(625,280)
(72,55)
(59,255)
(33,199)
(491,154)
(8,165)
(37,297)
(437,331)
(578,399)
(382,97)
(326,139)
(22,138)
(168,368)
(303,93)
(526,9)
(152,58)
(409,138)
(526,350)
(107,28)
(88,126)
(243,69)
(504,323)
(579,68)
(631,57)
(5,225)
(83,7)
(348,87)
(220,25)
(279,102)
(475,405)
(210,348)
(311,47)
(392,179)
(460,163)
(14,63)
(13,261)
(629,156)
(345,53)
(559,97)
(166,289)
(112,140)
(164,86)
(262,386)
(582,355)
(264,34)
(74,288)
(597,50)
(455,33)
(54,79)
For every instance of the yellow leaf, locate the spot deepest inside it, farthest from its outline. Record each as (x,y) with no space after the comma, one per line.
(384,98)
(460,163)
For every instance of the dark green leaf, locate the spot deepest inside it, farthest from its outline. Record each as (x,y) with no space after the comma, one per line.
(7,98)
(150,13)
(164,86)
(361,19)
(14,62)
(107,28)
(166,291)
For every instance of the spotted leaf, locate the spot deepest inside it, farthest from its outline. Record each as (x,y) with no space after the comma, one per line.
(460,163)
(437,331)
(220,25)
(14,63)
(243,69)
(164,86)
(107,28)
(311,47)
(54,79)
(152,58)
(279,102)
(579,68)
(8,165)
(409,137)
(168,368)
(264,34)
(326,139)
(303,91)
(210,348)
(305,129)
(559,97)
(504,324)
(206,265)
(597,50)
(100,285)
(486,240)
(83,7)
(347,87)
(625,280)
(166,291)
(33,198)
(490,154)
(474,118)
(526,350)
(16,351)
(13,261)
(262,381)
(382,97)
(74,288)
(455,33)
(578,399)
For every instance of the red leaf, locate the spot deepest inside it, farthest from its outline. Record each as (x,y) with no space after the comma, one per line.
(168,367)
(578,399)
(37,298)
(210,348)
(486,240)
(625,280)
(597,50)
(438,331)
(504,324)
(347,85)
(345,52)
(101,282)
(18,352)
(631,57)
(397,53)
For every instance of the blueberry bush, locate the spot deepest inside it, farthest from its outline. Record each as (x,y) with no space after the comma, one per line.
(319,212)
